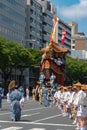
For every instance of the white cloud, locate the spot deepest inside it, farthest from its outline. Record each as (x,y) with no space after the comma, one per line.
(75,11)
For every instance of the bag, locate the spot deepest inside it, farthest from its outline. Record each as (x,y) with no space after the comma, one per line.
(22,102)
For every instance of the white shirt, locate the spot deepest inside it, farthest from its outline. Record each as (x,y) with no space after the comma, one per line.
(81,98)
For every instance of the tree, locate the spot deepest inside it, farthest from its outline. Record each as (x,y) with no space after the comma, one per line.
(37,55)
(13,55)
(4,57)
(76,69)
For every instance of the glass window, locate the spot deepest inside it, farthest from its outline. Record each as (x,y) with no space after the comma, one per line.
(0,29)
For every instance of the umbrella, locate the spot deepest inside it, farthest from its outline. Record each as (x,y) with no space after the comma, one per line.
(11,85)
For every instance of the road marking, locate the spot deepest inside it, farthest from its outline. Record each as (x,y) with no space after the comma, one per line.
(41,129)
(49,124)
(34,109)
(45,124)
(37,129)
(60,129)
(47,118)
(12,128)
(4,113)
(31,114)
(24,110)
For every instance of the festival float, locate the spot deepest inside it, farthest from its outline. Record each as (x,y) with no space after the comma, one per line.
(53,59)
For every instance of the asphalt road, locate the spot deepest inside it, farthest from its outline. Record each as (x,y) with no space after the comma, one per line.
(35,117)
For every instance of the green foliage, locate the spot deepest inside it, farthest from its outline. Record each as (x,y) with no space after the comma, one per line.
(13,55)
(37,55)
(76,69)
(4,54)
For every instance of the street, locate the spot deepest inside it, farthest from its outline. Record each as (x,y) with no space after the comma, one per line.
(35,117)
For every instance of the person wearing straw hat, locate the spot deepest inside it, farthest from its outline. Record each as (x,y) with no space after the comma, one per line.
(33,93)
(15,96)
(81,104)
(52,80)
(59,93)
(40,94)
(41,79)
(45,93)
(10,87)
(66,95)
(1,96)
(84,108)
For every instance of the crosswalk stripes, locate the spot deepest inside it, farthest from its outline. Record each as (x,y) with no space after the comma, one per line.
(41,129)
(18,128)
(60,129)
(37,129)
(12,128)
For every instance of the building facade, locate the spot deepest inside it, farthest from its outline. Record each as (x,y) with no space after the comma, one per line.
(12,20)
(64,26)
(33,24)
(48,12)
(78,42)
(27,21)
(39,15)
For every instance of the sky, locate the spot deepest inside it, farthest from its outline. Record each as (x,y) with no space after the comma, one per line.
(73,10)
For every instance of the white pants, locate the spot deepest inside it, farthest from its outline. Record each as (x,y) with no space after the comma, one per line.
(82,111)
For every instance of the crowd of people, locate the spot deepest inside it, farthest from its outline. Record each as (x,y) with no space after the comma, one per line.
(42,89)
(71,100)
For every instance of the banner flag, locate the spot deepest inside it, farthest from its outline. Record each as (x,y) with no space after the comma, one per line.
(63,36)
(55,21)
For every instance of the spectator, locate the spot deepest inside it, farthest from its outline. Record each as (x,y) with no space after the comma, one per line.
(1,95)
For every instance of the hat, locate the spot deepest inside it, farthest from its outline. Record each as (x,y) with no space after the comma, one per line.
(78,84)
(11,85)
(69,87)
(74,87)
(49,82)
(59,88)
(84,87)
(65,88)
(38,82)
